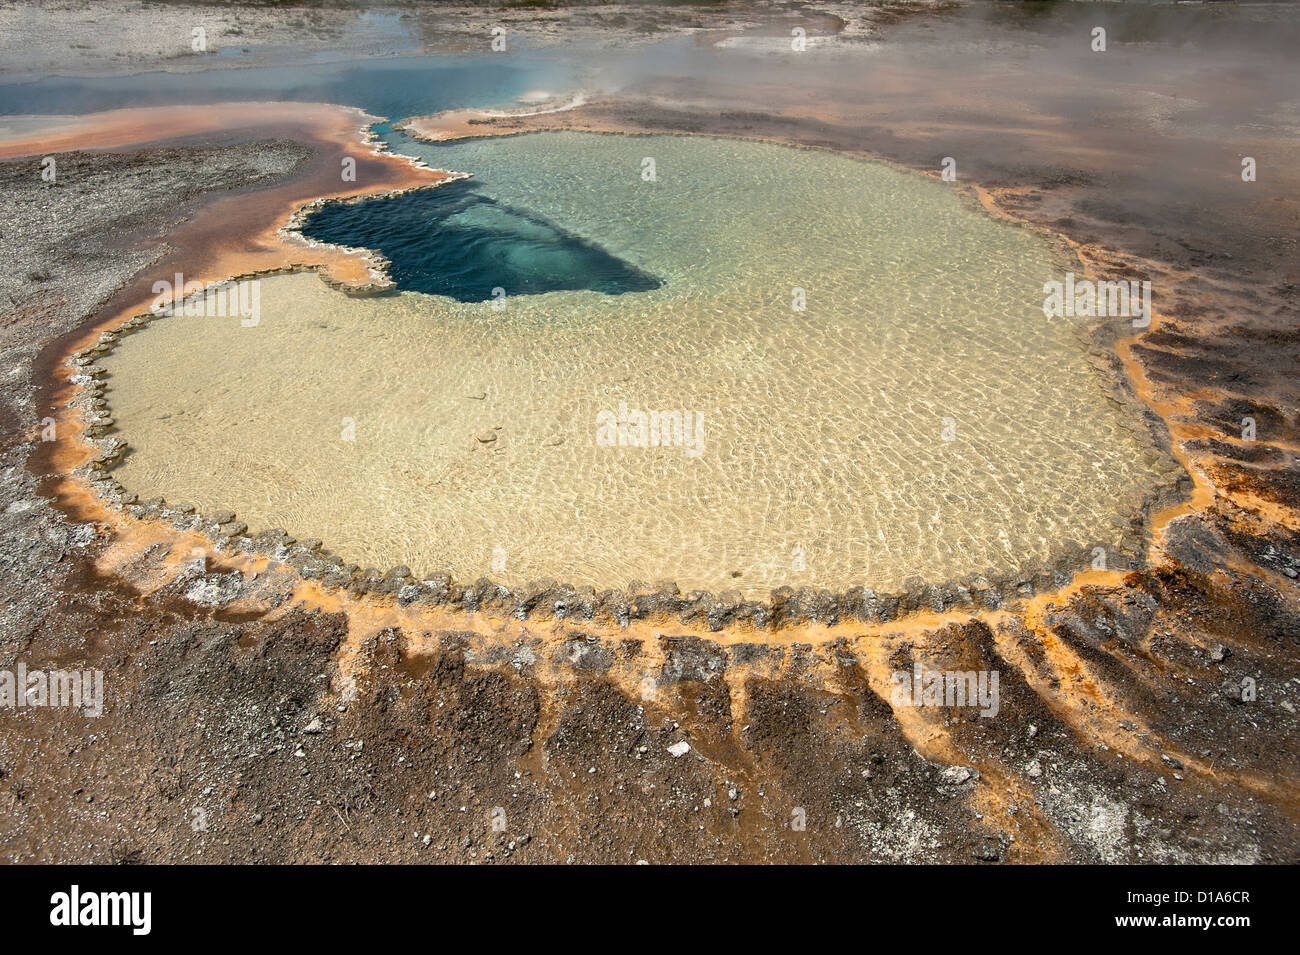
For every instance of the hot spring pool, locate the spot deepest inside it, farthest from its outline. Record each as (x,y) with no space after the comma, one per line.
(919,416)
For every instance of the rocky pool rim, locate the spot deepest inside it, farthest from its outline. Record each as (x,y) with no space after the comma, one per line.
(786,606)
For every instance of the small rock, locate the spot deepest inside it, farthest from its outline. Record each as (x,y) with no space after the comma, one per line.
(956,775)
(678,750)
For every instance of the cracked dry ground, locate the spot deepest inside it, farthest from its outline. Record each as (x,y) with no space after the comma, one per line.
(240,727)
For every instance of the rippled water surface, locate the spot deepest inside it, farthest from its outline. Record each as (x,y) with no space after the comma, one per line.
(920,416)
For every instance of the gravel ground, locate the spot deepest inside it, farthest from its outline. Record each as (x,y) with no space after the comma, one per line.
(68,37)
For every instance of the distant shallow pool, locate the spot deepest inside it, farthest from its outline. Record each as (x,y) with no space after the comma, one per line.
(919,416)
(389,87)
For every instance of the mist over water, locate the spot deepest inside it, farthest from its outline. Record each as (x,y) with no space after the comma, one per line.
(391,87)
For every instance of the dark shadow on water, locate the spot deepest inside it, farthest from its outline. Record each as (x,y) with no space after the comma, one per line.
(453,241)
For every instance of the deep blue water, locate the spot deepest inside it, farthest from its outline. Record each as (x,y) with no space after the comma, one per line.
(457,242)
(392,87)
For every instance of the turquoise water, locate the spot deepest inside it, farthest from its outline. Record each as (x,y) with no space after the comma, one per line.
(394,88)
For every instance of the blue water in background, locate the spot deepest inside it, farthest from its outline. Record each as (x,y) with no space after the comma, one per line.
(391,87)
